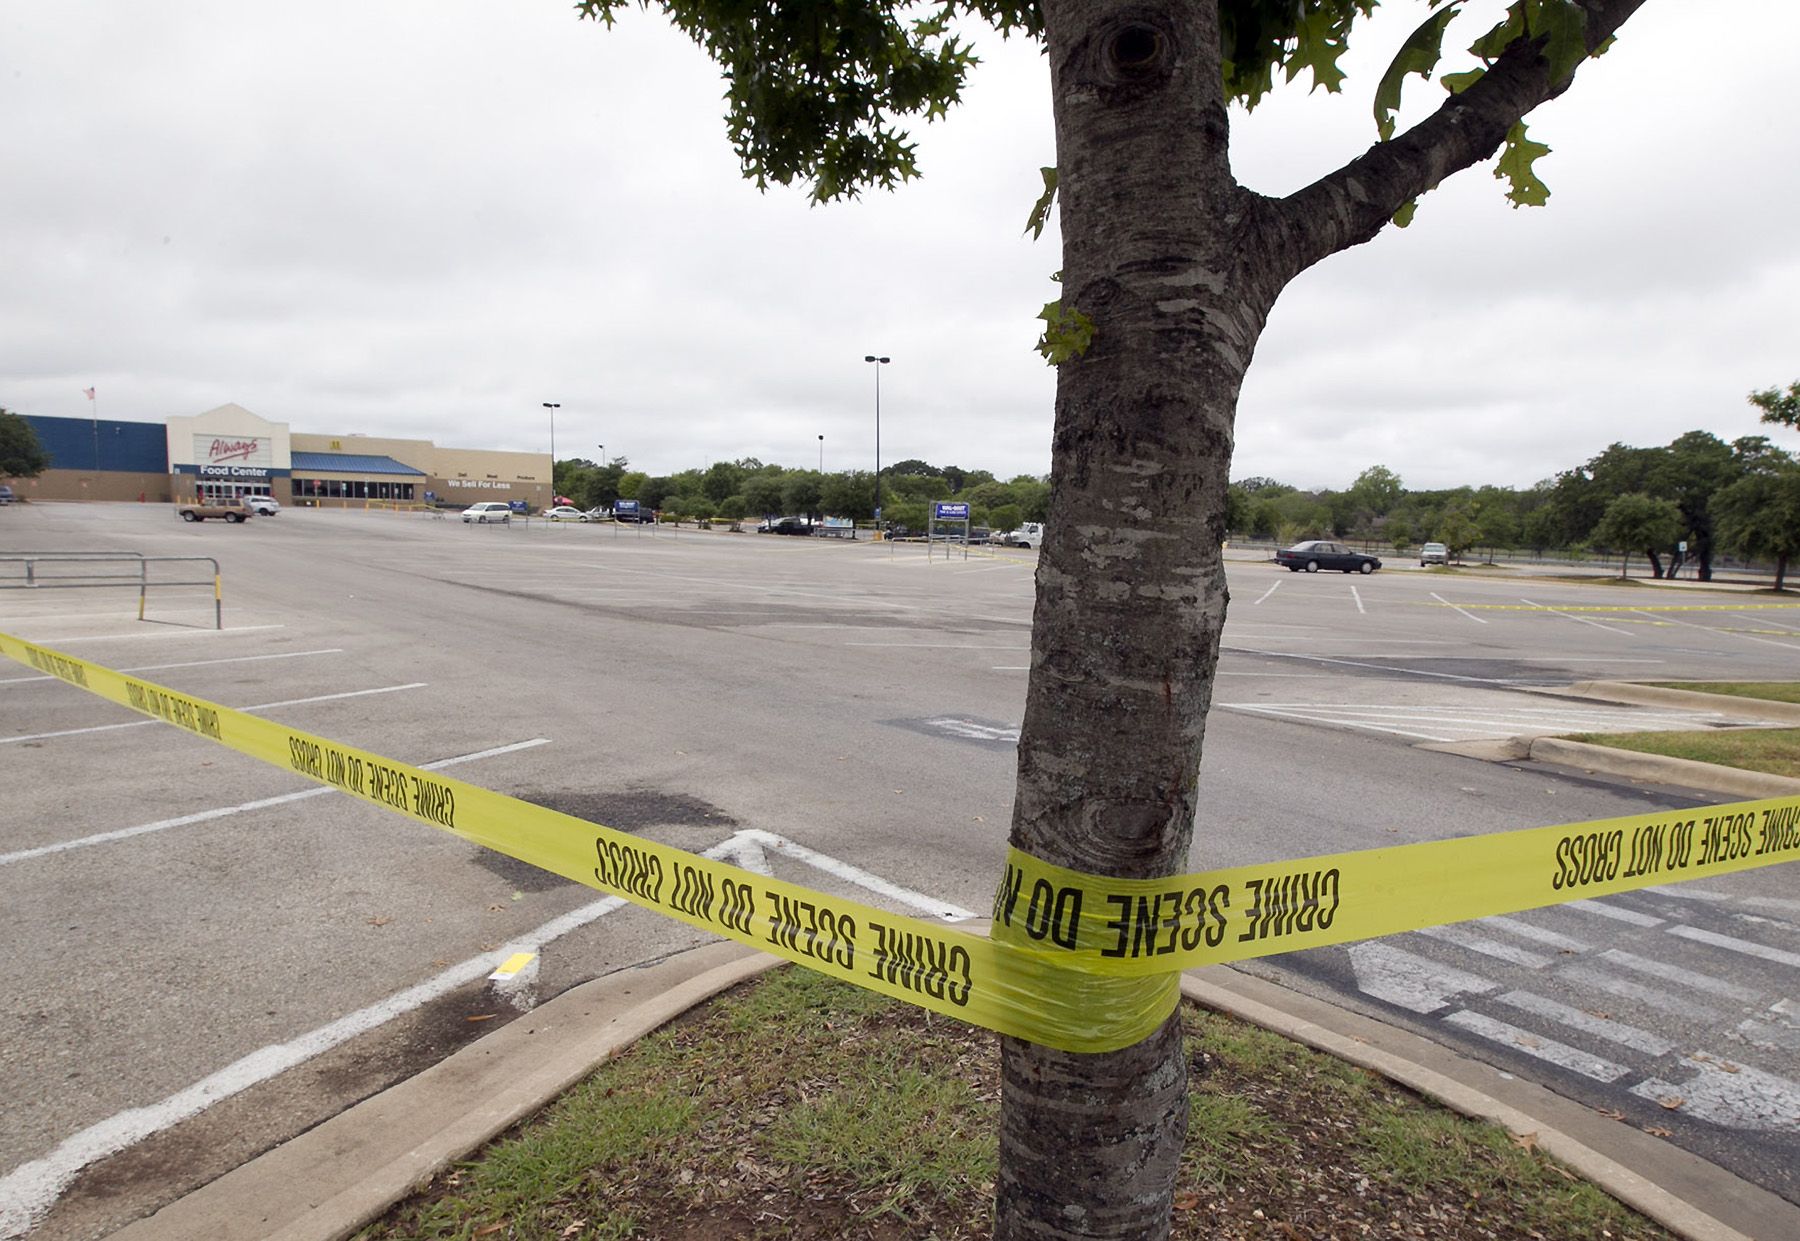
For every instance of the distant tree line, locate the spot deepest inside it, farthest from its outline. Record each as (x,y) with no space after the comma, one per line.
(1741,498)
(733,490)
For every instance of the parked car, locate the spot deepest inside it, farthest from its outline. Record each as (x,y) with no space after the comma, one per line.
(785,525)
(488,510)
(6,494)
(262,506)
(231,508)
(1029,534)
(1433,553)
(1317,554)
(565,512)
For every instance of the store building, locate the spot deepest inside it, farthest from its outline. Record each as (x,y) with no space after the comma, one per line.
(231,451)
(98,459)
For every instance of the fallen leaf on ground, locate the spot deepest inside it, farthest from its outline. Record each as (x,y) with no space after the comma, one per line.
(491,1228)
(378,920)
(1186,1202)
(480,1017)
(1672,1101)
(1657,1131)
(1526,1141)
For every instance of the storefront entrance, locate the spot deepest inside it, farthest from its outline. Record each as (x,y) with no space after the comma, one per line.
(214,492)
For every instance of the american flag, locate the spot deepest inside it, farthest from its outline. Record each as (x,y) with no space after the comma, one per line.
(88,392)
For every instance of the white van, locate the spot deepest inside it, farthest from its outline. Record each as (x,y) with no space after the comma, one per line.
(488,510)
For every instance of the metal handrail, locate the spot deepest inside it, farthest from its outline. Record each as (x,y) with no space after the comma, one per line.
(31,561)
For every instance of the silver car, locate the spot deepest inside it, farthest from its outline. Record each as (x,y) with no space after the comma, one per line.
(488,510)
(1433,553)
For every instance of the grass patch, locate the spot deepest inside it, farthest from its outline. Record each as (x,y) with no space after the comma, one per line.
(1769,691)
(1772,750)
(797,1107)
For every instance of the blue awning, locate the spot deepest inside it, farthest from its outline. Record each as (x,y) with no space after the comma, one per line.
(350,463)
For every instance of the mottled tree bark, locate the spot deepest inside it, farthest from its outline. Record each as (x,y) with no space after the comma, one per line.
(1178,267)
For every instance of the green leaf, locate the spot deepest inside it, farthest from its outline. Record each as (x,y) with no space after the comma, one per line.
(1457,83)
(1420,54)
(1516,159)
(1067,333)
(1563,26)
(1404,216)
(1040,213)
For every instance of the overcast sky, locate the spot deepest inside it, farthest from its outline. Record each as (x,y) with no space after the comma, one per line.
(426,217)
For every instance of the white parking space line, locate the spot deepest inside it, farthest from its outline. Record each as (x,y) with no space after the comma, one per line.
(1687,978)
(195,663)
(1478,620)
(1600,1027)
(1265,594)
(1570,616)
(1283,713)
(263,706)
(945,646)
(31,1189)
(1357,595)
(223,812)
(1546,1049)
(1749,948)
(170,633)
(1467,722)
(1747,637)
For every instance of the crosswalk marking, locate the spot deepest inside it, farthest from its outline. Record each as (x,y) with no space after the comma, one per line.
(1531,931)
(1589,1023)
(1616,912)
(1749,948)
(1486,946)
(1674,973)
(1548,1049)
(1729,1093)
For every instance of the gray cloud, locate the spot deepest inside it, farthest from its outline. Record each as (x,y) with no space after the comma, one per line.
(425,218)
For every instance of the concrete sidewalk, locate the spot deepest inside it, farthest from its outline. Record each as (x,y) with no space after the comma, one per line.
(327,1183)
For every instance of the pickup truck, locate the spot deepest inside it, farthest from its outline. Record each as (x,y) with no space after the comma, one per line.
(200,510)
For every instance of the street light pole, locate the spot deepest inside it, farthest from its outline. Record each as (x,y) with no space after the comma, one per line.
(553,406)
(821,454)
(879,363)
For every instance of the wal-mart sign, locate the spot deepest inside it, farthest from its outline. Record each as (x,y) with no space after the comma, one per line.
(945,510)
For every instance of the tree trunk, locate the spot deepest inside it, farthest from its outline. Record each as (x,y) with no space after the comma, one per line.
(1161,250)
(1780,569)
(1656,566)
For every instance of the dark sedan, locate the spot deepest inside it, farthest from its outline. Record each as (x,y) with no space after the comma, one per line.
(1323,554)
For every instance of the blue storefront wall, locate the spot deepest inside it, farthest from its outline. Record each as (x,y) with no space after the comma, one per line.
(103,445)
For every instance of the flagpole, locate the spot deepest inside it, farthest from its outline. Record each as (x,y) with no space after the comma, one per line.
(94,413)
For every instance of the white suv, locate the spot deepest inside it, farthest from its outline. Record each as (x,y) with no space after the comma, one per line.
(488,510)
(1433,553)
(262,506)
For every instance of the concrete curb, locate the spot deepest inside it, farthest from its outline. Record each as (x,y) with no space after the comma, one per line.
(1661,696)
(327,1183)
(332,1180)
(1660,769)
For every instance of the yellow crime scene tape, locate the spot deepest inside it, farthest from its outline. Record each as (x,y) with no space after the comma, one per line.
(1616,607)
(1075,961)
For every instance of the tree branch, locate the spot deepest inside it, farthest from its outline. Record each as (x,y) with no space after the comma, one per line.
(1351,205)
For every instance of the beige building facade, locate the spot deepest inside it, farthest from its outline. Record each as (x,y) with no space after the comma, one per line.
(231,451)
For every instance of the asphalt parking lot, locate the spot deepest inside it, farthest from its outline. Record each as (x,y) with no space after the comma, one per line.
(210,955)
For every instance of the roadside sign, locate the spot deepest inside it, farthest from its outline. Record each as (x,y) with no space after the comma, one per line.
(625,506)
(950,510)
